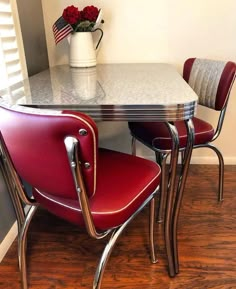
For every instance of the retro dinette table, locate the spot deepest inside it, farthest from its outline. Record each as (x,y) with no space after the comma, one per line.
(121,92)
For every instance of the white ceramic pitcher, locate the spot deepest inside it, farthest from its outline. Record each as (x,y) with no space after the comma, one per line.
(82,51)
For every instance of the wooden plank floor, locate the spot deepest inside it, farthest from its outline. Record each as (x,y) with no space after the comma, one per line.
(62,256)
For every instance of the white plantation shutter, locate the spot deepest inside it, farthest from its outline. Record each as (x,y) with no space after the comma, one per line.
(11,71)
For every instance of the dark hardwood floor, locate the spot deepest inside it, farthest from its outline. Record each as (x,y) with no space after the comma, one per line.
(62,256)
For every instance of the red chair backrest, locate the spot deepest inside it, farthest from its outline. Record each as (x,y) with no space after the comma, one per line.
(35,143)
(211,80)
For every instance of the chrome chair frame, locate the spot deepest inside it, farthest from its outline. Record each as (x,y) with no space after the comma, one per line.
(170,199)
(162,155)
(19,197)
(173,198)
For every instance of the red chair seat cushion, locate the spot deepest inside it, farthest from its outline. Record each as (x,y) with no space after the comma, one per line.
(156,134)
(123,184)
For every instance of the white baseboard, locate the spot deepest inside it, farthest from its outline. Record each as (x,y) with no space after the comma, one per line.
(8,240)
(212,160)
(206,160)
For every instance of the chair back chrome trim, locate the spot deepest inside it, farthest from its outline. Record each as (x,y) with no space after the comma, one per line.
(72,148)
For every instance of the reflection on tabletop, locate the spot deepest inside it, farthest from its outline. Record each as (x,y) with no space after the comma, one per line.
(56,86)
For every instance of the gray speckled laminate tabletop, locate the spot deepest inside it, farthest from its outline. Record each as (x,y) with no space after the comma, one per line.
(109,92)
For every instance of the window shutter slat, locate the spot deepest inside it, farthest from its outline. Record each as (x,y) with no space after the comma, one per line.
(10,71)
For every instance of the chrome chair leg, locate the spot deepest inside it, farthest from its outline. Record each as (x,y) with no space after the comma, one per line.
(221,172)
(162,195)
(22,246)
(159,157)
(111,243)
(180,189)
(133,146)
(220,195)
(168,226)
(151,230)
(182,153)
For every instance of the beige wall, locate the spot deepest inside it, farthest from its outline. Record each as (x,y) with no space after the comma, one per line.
(159,31)
(33,38)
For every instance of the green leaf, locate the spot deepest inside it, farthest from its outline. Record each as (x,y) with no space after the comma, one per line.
(84,26)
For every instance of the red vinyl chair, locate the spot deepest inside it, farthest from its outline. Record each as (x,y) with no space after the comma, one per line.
(212,81)
(57,154)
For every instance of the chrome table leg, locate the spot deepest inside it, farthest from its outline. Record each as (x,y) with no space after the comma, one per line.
(170,198)
(180,190)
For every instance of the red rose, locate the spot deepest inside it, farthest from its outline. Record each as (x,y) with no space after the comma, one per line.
(71,14)
(90,13)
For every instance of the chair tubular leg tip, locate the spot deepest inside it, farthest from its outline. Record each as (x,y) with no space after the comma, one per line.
(155,261)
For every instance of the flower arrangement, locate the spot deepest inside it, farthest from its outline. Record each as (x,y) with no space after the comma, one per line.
(83,20)
(75,20)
